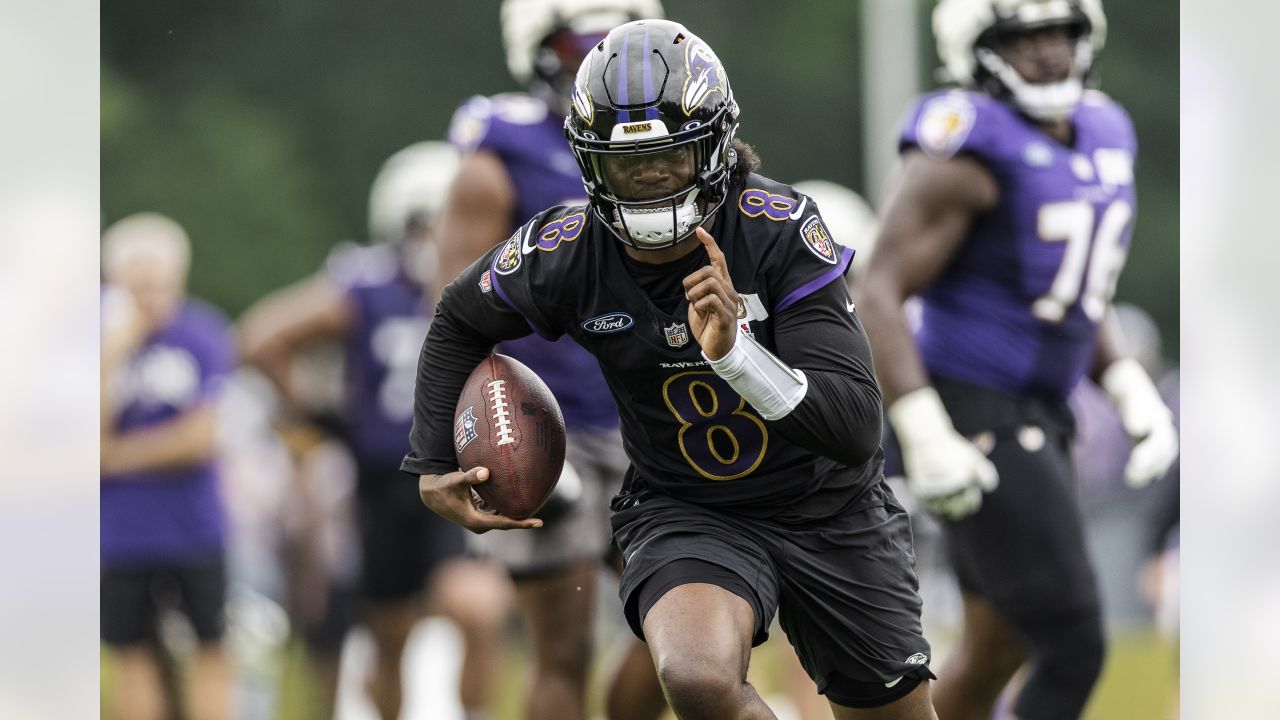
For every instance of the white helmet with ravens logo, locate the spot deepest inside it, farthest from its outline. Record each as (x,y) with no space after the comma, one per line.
(545,40)
(967,31)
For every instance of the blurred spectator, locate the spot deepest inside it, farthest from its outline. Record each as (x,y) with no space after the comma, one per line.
(374,300)
(164,358)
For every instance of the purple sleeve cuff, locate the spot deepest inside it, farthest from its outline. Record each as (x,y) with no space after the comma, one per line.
(837,271)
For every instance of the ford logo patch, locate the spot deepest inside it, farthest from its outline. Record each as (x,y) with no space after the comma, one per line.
(608,323)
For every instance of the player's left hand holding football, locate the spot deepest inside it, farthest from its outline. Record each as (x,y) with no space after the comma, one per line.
(713,303)
(450,496)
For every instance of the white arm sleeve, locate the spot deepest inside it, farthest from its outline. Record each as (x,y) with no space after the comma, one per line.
(772,388)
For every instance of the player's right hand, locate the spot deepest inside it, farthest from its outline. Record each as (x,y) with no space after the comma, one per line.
(713,303)
(450,496)
(946,471)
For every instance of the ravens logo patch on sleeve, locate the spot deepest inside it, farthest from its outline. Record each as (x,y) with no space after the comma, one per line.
(509,258)
(818,240)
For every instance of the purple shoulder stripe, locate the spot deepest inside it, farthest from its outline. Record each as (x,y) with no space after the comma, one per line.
(840,268)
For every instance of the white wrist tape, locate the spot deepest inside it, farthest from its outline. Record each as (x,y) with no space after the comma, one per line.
(761,378)
(1135,396)
(920,417)
(1125,378)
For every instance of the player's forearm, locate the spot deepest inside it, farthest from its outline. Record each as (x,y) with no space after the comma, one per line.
(840,415)
(1109,348)
(898,366)
(275,360)
(185,441)
(839,419)
(117,346)
(275,329)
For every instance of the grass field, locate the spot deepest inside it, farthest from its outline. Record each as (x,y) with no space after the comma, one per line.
(1138,682)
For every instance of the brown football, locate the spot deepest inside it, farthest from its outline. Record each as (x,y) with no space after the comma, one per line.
(507,420)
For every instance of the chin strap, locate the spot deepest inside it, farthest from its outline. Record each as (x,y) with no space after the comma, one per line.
(1046,102)
(772,388)
(660,227)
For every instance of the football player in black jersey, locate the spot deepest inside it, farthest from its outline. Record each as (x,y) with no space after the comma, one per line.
(713,299)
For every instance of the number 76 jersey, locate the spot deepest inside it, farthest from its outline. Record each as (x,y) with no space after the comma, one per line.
(1018,306)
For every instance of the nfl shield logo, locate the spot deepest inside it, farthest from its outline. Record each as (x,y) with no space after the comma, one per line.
(677,335)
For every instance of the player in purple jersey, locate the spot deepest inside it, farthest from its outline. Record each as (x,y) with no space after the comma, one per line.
(516,163)
(375,301)
(1011,219)
(164,359)
(713,299)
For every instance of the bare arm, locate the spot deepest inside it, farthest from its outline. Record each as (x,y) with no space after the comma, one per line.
(1111,345)
(183,441)
(478,214)
(279,325)
(124,329)
(925,219)
(924,222)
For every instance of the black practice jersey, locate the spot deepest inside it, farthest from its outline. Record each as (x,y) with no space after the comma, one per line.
(687,432)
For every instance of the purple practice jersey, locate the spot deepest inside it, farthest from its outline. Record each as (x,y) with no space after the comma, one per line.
(529,139)
(167,516)
(1017,308)
(390,319)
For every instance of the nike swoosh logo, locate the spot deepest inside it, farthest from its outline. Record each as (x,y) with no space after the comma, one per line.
(636,549)
(527,247)
(848,307)
(895,682)
(795,214)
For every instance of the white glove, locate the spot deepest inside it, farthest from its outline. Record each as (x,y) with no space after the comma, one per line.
(1146,418)
(943,468)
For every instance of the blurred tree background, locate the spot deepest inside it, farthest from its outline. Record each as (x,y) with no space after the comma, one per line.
(260,125)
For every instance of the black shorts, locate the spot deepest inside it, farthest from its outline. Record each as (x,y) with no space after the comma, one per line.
(401,541)
(844,588)
(1024,550)
(131,599)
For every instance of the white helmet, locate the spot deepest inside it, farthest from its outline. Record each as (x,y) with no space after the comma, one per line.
(850,219)
(965,28)
(410,187)
(526,24)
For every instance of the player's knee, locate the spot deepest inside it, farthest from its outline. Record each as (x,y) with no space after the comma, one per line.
(696,688)
(1067,660)
(1088,648)
(1073,649)
(484,612)
(475,596)
(998,657)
